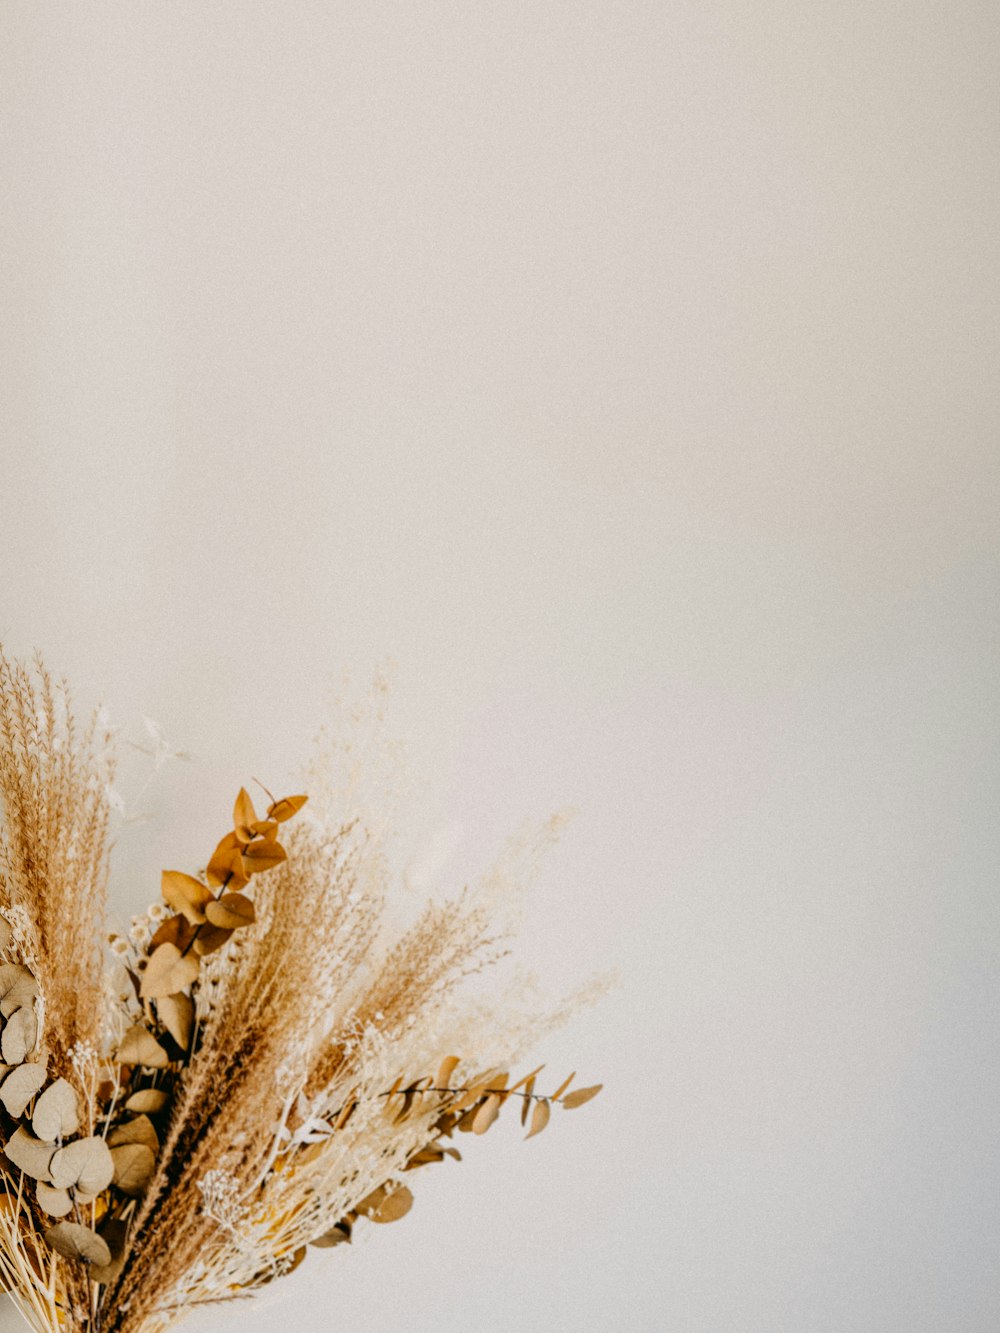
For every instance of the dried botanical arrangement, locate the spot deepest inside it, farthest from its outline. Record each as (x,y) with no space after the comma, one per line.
(250,1070)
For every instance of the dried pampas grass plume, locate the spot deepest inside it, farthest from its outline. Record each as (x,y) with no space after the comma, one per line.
(260,1066)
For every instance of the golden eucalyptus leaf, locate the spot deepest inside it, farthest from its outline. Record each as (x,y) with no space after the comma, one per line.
(486,1115)
(176,930)
(447,1067)
(57,1112)
(210,938)
(539,1119)
(84,1165)
(563,1086)
(387,1204)
(20,1086)
(139,1130)
(244,816)
(286,808)
(57,1203)
(470,1096)
(176,1013)
(263,855)
(73,1241)
(580,1096)
(226,865)
(231,911)
(140,1047)
(146,1100)
(29,1154)
(185,894)
(529,1088)
(133,1166)
(18,988)
(6,932)
(19,1035)
(167,971)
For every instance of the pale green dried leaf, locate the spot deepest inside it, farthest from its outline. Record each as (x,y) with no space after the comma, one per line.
(19,1035)
(139,1130)
(134,1164)
(176,1013)
(17,988)
(147,1100)
(57,1112)
(140,1047)
(79,1243)
(29,1154)
(85,1165)
(57,1203)
(20,1086)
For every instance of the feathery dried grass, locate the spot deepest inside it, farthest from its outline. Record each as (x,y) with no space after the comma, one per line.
(54,847)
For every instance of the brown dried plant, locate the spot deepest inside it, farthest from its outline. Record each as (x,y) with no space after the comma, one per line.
(258,1065)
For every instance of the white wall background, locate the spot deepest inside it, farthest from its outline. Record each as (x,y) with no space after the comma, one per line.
(626,371)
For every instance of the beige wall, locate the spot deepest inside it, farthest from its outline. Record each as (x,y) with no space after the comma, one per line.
(627,372)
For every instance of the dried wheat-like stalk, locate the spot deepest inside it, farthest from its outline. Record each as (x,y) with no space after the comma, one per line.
(54,780)
(272,1060)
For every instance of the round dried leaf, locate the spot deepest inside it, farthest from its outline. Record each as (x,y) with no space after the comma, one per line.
(20,1086)
(19,1035)
(29,1154)
(338,1235)
(84,1164)
(139,1130)
(75,1242)
(133,1168)
(263,855)
(387,1204)
(231,911)
(17,988)
(147,1100)
(140,1047)
(167,971)
(185,894)
(57,1203)
(57,1112)
(176,1013)
(175,930)
(211,938)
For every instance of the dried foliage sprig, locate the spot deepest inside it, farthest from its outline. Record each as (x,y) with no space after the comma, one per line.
(250,1072)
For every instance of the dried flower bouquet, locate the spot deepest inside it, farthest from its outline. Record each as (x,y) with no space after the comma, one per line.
(251,1070)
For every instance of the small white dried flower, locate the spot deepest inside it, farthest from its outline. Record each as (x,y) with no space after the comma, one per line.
(221,1201)
(83,1058)
(139,932)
